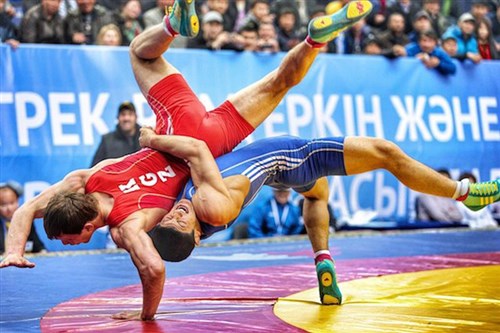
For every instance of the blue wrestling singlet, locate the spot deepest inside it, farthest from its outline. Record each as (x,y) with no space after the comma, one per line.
(283,162)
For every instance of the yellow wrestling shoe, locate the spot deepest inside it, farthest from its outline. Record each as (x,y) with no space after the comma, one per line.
(183,19)
(329,291)
(325,28)
(482,194)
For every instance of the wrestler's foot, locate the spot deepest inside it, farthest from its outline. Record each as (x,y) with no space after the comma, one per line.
(325,28)
(482,194)
(329,291)
(182,18)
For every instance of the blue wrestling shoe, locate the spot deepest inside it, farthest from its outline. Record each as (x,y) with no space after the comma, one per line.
(482,194)
(183,19)
(329,291)
(325,28)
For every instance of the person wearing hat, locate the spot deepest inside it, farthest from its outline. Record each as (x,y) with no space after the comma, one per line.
(449,45)
(124,139)
(427,49)
(10,192)
(466,42)
(421,22)
(372,45)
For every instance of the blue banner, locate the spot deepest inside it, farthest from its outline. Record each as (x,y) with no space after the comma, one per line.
(57,101)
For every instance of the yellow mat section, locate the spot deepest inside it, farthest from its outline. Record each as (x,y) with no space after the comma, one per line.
(464,300)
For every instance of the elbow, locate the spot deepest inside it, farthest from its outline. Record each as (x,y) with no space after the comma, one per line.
(197,148)
(198,145)
(154,270)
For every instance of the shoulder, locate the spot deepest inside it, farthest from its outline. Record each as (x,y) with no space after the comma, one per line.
(101,11)
(440,53)
(412,48)
(76,179)
(33,12)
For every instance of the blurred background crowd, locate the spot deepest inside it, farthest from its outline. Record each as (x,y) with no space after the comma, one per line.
(465,29)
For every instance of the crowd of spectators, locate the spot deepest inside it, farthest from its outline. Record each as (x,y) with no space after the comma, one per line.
(432,30)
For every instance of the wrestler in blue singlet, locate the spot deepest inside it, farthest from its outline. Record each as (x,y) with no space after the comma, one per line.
(282,162)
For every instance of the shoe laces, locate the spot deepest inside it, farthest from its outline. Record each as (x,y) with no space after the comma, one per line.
(484,189)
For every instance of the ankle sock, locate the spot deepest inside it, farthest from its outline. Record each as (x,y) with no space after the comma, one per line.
(168,28)
(322,255)
(313,44)
(462,190)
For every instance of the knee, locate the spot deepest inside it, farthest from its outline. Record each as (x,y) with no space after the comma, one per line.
(319,192)
(386,152)
(133,48)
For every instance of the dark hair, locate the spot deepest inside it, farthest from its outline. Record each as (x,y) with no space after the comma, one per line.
(444,172)
(250,26)
(14,187)
(67,213)
(255,2)
(172,244)
(428,33)
(468,175)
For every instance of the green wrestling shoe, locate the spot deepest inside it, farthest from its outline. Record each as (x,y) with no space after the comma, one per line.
(183,19)
(482,194)
(329,291)
(325,28)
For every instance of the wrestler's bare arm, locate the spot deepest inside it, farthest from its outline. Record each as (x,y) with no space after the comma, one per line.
(149,264)
(216,201)
(23,217)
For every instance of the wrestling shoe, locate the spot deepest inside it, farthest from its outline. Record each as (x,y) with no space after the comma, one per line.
(182,18)
(482,194)
(329,291)
(325,28)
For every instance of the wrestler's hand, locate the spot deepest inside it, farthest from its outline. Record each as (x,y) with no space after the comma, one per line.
(16,260)
(145,137)
(128,315)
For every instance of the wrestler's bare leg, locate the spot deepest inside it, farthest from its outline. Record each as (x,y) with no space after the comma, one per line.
(258,100)
(316,217)
(146,56)
(362,154)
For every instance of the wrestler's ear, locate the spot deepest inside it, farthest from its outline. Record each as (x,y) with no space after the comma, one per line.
(88,227)
(197,237)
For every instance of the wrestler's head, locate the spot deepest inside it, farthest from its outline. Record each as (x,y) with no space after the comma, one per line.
(69,216)
(177,234)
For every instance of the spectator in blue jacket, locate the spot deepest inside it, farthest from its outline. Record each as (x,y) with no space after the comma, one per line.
(464,34)
(276,216)
(430,53)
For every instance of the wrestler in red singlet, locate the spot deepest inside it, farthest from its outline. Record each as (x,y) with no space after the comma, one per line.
(150,179)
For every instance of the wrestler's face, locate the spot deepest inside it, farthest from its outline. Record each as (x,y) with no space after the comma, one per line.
(181,217)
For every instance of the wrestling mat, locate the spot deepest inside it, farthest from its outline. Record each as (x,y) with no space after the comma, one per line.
(412,281)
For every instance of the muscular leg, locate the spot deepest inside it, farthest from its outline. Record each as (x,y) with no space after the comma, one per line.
(146,56)
(316,215)
(363,154)
(258,100)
